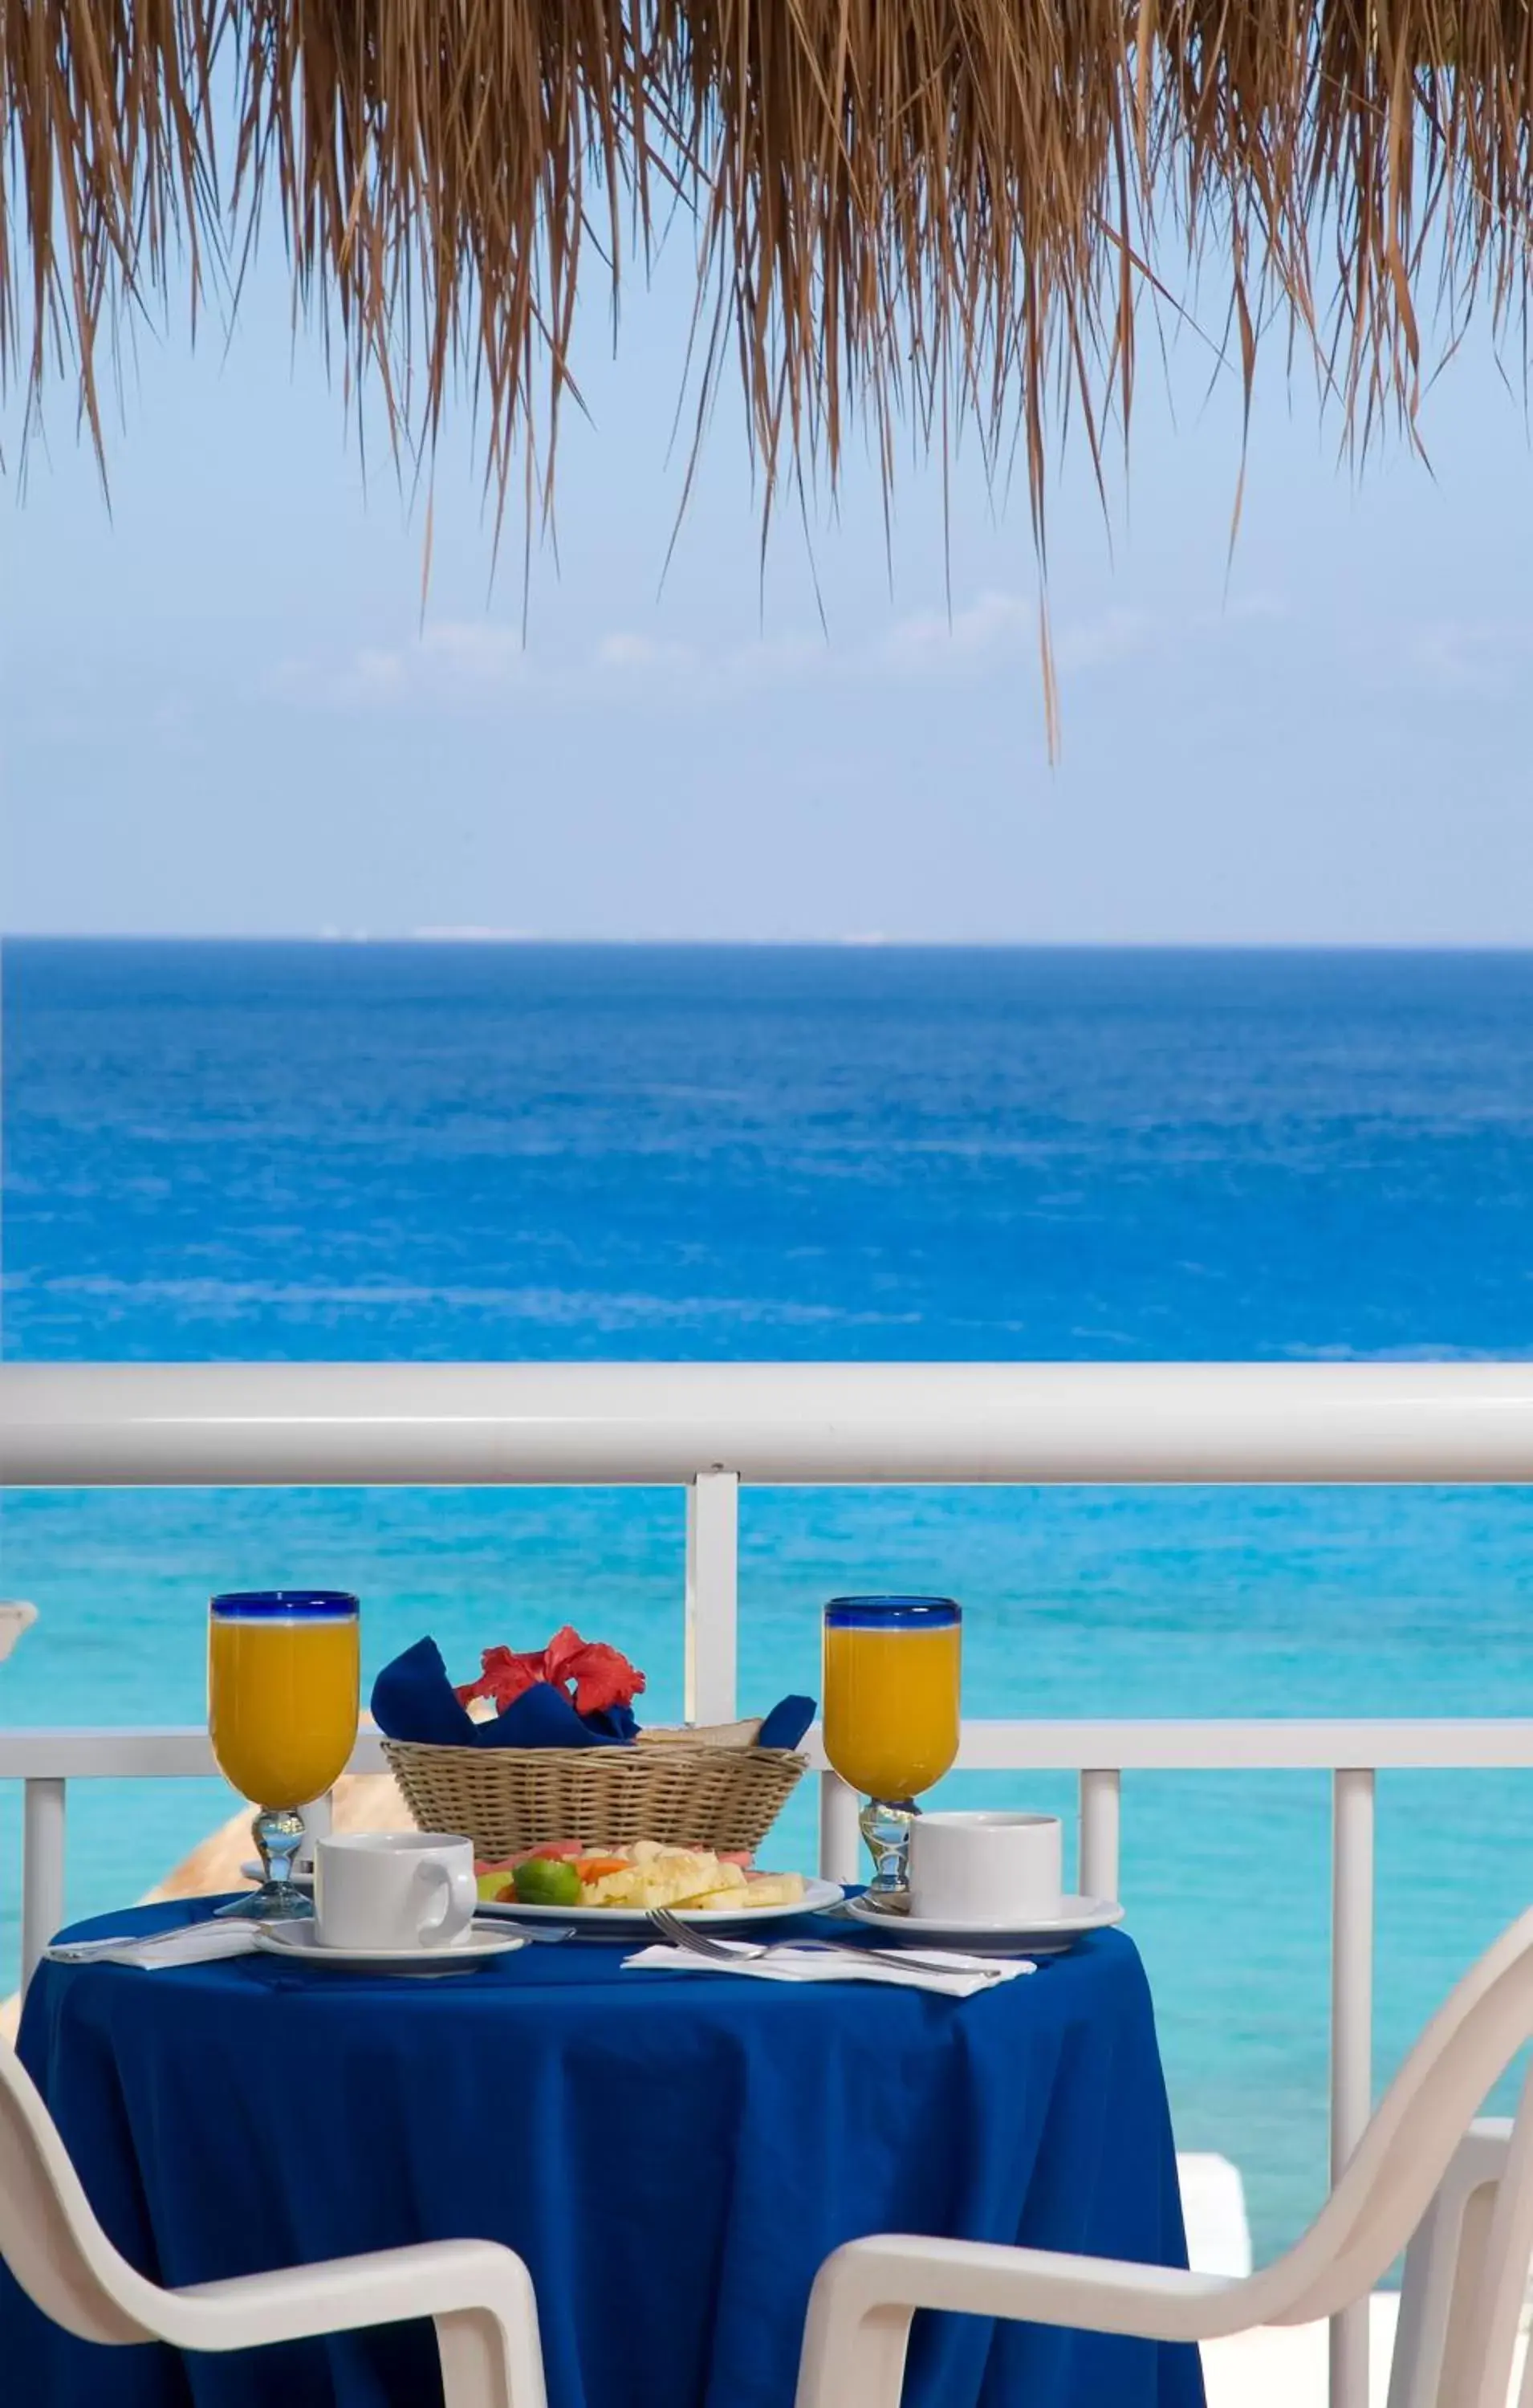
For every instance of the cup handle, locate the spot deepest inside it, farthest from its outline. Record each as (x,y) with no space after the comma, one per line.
(457,1896)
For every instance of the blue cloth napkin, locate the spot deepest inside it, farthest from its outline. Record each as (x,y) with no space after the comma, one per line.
(785,1726)
(413,1701)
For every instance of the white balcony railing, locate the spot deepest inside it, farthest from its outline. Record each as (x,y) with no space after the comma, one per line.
(710,1427)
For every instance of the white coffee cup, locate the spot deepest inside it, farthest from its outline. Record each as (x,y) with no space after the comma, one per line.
(985,1868)
(393,1889)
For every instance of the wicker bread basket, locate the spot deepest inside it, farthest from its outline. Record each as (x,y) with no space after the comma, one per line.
(509,1797)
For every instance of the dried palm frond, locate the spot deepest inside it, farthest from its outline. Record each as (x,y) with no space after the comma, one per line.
(927,212)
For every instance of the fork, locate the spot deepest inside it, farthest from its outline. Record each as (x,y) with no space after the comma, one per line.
(748,1951)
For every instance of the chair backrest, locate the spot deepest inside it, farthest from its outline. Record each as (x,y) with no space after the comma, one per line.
(1435,2335)
(1390,2179)
(48,2234)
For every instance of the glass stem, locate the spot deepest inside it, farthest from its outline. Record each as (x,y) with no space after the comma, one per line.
(278,1833)
(885,1825)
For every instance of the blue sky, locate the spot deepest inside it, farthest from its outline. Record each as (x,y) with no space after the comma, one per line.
(221,710)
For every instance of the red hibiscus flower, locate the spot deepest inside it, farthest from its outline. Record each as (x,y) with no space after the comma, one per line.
(502,1676)
(599,1676)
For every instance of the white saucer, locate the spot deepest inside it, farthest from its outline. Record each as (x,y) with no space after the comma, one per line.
(302,1939)
(1043,1934)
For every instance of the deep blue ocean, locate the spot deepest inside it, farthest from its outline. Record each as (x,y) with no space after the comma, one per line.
(428,1151)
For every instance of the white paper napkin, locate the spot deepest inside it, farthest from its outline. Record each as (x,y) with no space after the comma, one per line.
(962,1977)
(192,1943)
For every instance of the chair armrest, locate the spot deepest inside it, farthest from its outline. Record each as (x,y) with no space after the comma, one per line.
(341,2294)
(1046,2286)
(866,2295)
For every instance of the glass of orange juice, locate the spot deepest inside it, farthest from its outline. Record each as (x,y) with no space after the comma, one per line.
(891,1711)
(283,1695)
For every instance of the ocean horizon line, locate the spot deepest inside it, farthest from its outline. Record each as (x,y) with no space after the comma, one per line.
(428,939)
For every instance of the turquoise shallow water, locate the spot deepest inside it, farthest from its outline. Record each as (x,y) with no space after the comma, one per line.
(309,1152)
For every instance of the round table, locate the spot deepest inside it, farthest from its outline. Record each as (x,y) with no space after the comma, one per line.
(673,2154)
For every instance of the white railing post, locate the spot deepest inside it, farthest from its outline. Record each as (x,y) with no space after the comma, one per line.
(712,1594)
(1352,2038)
(1100,1818)
(839,1834)
(42,1869)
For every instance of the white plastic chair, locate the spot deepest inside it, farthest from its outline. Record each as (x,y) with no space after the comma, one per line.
(1435,2337)
(866,2294)
(478,2295)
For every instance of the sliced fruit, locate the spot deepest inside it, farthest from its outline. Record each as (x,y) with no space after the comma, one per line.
(595,1869)
(767,1890)
(547,1881)
(613,1889)
(724,1880)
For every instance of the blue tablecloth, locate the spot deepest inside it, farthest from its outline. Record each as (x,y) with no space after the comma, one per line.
(673,2155)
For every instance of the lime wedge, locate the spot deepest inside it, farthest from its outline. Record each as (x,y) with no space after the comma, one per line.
(543,1881)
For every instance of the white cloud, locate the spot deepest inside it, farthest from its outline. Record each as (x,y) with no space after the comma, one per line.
(646,656)
(467,664)
(376,673)
(368,677)
(1474,656)
(932,643)
(458,659)
(1097,643)
(776,661)
(475,652)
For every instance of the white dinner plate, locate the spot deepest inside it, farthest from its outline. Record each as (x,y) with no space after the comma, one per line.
(817,1896)
(302,1940)
(1040,1933)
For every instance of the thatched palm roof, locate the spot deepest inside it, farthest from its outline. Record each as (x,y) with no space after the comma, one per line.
(942,210)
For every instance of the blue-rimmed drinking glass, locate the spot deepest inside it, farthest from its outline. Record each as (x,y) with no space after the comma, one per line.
(892,1669)
(282,1699)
